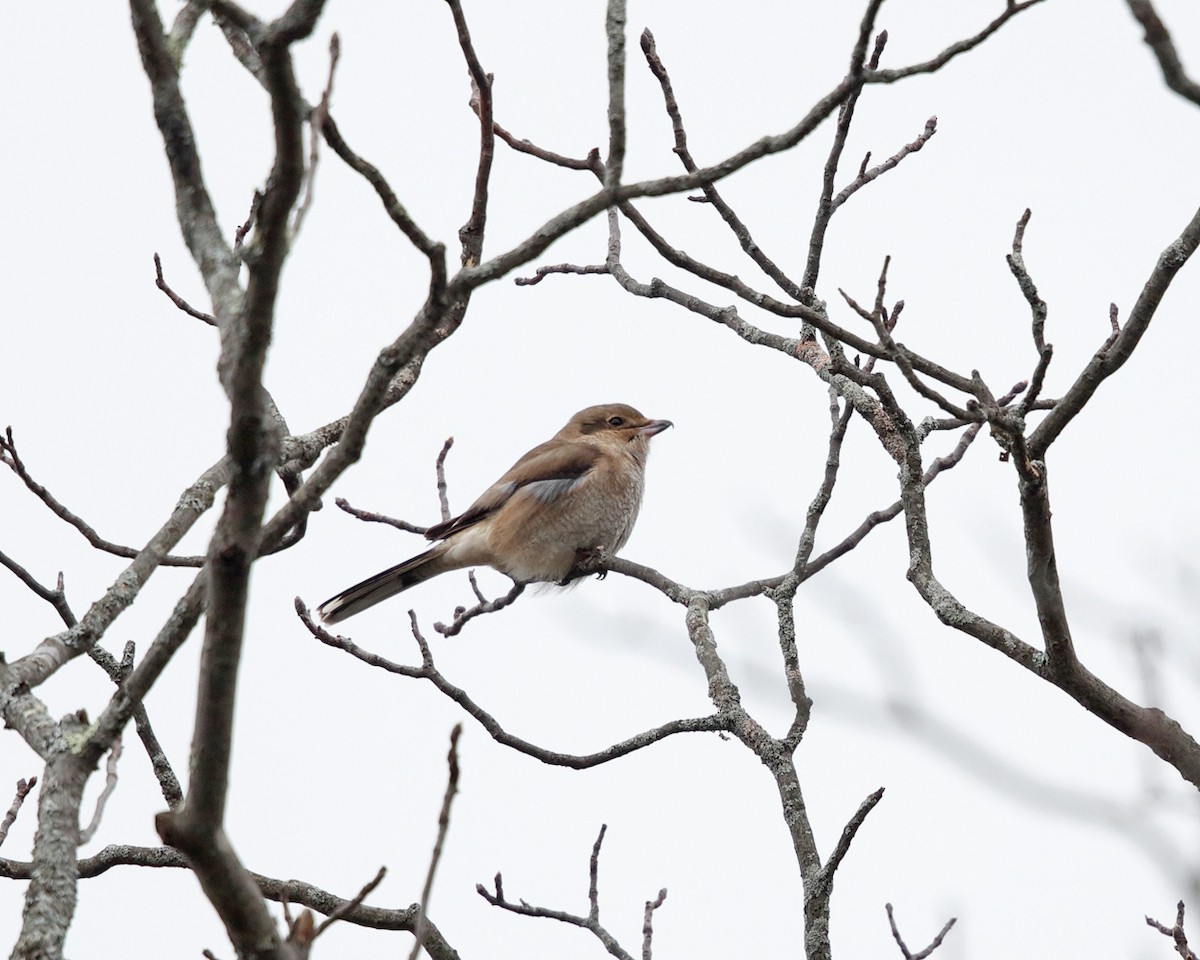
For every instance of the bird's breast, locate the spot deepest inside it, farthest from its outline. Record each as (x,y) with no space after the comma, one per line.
(538,533)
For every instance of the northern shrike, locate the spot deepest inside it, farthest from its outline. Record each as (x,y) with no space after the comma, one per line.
(567,500)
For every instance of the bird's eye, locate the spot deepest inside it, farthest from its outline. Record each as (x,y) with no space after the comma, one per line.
(616,421)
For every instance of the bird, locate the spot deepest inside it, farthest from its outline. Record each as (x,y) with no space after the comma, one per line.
(567,502)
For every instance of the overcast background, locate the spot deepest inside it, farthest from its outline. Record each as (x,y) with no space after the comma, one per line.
(1044,831)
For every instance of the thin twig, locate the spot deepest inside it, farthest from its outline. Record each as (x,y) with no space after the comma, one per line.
(897,355)
(1016,263)
(396,211)
(352,904)
(9,457)
(316,120)
(594,875)
(1037,306)
(839,423)
(549,156)
(937,941)
(591,922)
(848,834)
(239,235)
(475,586)
(1158,39)
(428,671)
(366,515)
(865,176)
(892,511)
(463,615)
(440,468)
(57,597)
(23,788)
(443,826)
(471,233)
(178,300)
(825,204)
(936,63)
(542,272)
(647,922)
(1118,347)
(1175,933)
(110,784)
(711,194)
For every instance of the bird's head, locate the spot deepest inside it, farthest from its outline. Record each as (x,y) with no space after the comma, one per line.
(613,424)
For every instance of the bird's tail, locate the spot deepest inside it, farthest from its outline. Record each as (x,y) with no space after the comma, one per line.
(383,585)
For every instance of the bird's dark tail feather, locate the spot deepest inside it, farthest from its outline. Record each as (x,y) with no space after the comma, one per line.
(381,586)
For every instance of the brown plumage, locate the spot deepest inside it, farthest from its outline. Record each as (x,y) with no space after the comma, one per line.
(568,498)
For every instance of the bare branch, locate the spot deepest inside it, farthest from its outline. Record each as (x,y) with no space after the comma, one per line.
(174,297)
(463,615)
(440,470)
(1037,306)
(728,316)
(549,156)
(316,120)
(825,204)
(648,922)
(110,785)
(366,515)
(542,272)
(197,827)
(594,875)
(53,652)
(351,905)
(848,834)
(239,235)
(182,29)
(23,788)
(614,28)
(294,891)
(1176,933)
(1119,347)
(1011,9)
(443,827)
(591,922)
(785,615)
(937,941)
(52,893)
(1158,39)
(134,684)
(1149,725)
(569,219)
(427,671)
(1016,263)
(865,176)
(10,457)
(740,230)
(839,423)
(392,206)
(805,350)
(197,218)
(901,358)
(57,597)
(471,234)
(892,511)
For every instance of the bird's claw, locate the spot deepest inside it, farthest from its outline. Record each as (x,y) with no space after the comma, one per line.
(588,560)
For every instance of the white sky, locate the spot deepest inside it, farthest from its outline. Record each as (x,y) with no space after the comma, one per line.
(338,768)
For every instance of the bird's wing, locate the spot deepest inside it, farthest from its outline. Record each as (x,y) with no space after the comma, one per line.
(546,472)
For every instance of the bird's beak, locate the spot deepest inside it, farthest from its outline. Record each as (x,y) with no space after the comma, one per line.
(654,426)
